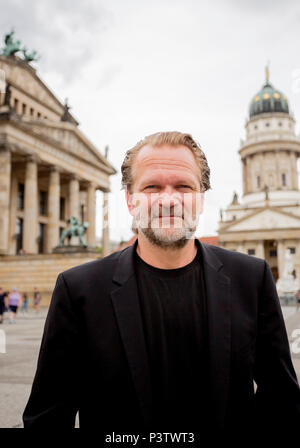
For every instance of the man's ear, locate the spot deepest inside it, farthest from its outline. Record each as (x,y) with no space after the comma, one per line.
(129,201)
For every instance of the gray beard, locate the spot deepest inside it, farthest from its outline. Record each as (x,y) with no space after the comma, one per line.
(158,237)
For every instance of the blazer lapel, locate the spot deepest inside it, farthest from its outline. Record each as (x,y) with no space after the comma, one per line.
(128,313)
(218,299)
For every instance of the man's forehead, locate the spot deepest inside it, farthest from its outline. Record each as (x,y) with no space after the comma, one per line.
(165,156)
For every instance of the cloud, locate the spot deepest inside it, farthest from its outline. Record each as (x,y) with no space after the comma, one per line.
(66,34)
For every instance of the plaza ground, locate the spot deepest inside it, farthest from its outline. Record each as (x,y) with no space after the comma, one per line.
(18,364)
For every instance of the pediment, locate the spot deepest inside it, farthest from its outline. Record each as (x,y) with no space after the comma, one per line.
(268,218)
(71,140)
(25,78)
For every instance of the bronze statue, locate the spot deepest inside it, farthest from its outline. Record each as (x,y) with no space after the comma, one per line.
(266,189)
(11,46)
(14,46)
(28,57)
(75,229)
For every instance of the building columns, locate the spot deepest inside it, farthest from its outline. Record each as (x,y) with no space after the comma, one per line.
(5,174)
(241,247)
(53,209)
(74,196)
(245,186)
(13,215)
(105,228)
(260,250)
(31,207)
(294,175)
(91,215)
(280,257)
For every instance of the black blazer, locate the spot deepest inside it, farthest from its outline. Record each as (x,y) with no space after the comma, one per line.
(93,354)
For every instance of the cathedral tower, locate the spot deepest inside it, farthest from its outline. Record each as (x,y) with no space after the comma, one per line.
(266,221)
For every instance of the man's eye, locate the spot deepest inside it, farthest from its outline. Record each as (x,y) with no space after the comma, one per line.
(184,186)
(151,186)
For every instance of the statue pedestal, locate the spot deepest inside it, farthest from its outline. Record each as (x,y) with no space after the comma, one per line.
(74,250)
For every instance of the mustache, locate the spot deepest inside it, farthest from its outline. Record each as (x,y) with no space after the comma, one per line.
(166,212)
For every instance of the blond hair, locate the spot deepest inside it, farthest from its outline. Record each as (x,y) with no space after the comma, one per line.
(170,138)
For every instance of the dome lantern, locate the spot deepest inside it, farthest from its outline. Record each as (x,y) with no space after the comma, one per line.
(268,100)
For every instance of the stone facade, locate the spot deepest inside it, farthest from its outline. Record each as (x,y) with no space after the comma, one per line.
(50,171)
(266,220)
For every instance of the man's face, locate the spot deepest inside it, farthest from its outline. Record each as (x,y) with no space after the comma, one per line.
(166,200)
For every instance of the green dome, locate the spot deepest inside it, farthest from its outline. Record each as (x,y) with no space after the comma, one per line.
(268,100)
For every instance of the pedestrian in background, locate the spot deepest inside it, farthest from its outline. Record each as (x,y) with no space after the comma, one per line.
(3,296)
(36,299)
(14,300)
(25,302)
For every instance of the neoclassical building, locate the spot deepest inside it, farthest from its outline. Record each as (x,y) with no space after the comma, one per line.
(50,171)
(266,220)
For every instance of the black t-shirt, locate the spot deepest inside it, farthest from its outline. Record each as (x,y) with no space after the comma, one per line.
(175,325)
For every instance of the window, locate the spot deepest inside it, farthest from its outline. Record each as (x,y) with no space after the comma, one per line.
(279,124)
(267,125)
(31,112)
(41,238)
(19,234)
(38,115)
(16,105)
(283,179)
(43,202)
(258,181)
(82,212)
(23,109)
(62,202)
(251,251)
(292,250)
(20,196)
(273,253)
(266,106)
(277,105)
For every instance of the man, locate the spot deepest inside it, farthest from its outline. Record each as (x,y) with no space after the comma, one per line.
(168,334)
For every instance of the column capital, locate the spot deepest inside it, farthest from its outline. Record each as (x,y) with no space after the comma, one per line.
(55,169)
(32,158)
(6,147)
(92,184)
(74,176)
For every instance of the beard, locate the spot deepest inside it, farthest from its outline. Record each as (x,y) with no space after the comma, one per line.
(165,238)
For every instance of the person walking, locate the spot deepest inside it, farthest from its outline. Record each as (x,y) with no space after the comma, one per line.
(25,301)
(3,296)
(36,299)
(14,299)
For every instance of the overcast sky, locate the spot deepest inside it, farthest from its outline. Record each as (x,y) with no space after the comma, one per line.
(131,68)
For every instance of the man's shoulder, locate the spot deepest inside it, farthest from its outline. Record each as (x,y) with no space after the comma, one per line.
(234,257)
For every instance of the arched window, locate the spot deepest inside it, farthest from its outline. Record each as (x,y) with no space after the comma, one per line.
(283,179)
(258,181)
(266,105)
(277,106)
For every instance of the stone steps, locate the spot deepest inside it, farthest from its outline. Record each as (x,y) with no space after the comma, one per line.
(27,271)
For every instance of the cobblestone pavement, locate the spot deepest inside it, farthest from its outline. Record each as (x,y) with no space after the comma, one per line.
(18,364)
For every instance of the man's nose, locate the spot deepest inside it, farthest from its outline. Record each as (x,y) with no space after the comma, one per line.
(169,196)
